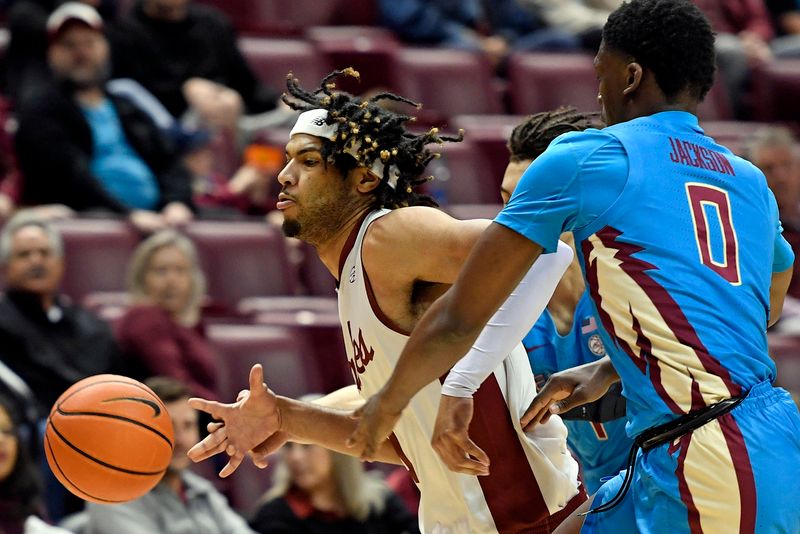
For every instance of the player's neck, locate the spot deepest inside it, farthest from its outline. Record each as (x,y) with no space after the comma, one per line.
(330,251)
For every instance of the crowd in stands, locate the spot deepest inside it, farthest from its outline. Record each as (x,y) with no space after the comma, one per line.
(158,124)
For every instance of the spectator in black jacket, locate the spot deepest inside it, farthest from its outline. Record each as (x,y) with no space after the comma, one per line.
(47,341)
(187,56)
(80,146)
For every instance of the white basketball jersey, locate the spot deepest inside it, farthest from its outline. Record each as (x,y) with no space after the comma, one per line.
(532,475)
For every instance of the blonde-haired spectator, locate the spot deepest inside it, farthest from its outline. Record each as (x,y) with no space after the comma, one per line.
(161,334)
(317,491)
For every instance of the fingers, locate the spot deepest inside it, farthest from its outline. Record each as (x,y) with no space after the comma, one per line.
(233,464)
(358,412)
(577,398)
(257,378)
(471,448)
(243,394)
(533,415)
(539,410)
(214,426)
(260,453)
(360,440)
(212,444)
(462,455)
(214,408)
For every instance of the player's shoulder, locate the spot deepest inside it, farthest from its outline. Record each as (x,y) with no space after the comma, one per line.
(576,147)
(409,220)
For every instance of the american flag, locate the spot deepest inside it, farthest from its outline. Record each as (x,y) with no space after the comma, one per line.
(588,325)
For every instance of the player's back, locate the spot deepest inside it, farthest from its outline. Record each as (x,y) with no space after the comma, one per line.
(680,269)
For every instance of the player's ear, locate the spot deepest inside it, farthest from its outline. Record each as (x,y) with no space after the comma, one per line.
(365,181)
(634,75)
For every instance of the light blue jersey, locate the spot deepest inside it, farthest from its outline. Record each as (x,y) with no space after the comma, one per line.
(678,239)
(602,448)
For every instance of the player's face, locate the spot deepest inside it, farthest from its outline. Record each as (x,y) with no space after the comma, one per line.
(184,425)
(781,166)
(310,466)
(168,279)
(80,55)
(33,265)
(613,77)
(315,198)
(514,172)
(9,445)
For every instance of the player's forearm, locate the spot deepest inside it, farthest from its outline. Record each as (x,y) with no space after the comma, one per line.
(327,427)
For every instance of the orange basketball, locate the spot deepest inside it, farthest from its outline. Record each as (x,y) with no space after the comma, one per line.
(108,439)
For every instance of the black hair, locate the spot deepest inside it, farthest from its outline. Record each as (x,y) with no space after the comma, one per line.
(372,132)
(673,38)
(532,137)
(22,489)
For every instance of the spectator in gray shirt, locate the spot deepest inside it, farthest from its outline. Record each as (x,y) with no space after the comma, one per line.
(183,502)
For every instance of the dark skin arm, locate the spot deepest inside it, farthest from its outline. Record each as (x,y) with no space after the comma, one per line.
(777,293)
(448,329)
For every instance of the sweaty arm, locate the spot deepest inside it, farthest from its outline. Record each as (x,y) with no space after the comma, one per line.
(509,324)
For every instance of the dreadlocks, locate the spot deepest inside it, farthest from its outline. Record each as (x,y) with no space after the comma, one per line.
(370,132)
(532,137)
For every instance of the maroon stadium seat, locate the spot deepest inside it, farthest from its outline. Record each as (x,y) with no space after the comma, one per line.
(716,106)
(448,82)
(242,259)
(732,134)
(369,50)
(461,176)
(108,305)
(258,305)
(315,279)
(490,134)
(97,253)
(288,361)
(276,17)
(776,86)
(544,81)
(288,370)
(356,12)
(272,59)
(323,332)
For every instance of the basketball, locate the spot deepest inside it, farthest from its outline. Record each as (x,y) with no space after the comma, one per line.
(108,439)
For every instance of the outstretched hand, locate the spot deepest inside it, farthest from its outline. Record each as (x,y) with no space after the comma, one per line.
(375,423)
(451,439)
(568,389)
(247,424)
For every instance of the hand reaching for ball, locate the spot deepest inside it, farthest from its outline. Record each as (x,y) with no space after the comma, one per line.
(246,423)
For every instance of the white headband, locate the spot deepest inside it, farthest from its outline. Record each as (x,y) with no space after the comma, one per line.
(314,122)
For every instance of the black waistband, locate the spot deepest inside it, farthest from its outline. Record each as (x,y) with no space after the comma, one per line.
(658,435)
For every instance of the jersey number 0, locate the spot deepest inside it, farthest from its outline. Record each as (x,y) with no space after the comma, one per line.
(711,216)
